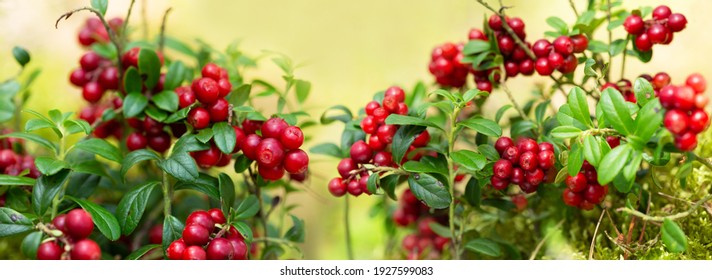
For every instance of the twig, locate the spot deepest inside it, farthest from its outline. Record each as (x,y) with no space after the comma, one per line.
(680,215)
(514,102)
(126,20)
(595,232)
(541,243)
(573,7)
(162,37)
(705,161)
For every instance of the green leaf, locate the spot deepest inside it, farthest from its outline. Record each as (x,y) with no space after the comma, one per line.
(402,140)
(132,81)
(30,244)
(21,55)
(179,46)
(140,252)
(248,208)
(476,46)
(205,184)
(673,237)
(103,219)
(444,93)
(469,160)
(296,232)
(175,75)
(616,111)
(45,189)
(422,167)
(484,246)
(566,117)
(240,95)
(501,111)
(329,149)
(134,158)
(100,5)
(372,182)
(440,229)
(7,180)
(473,192)
(178,115)
(242,163)
(50,166)
(565,132)
(612,163)
(643,91)
(12,222)
(227,192)
(596,47)
(7,110)
(205,135)
(579,106)
(575,161)
(32,138)
(429,190)
(172,230)
(558,24)
(472,94)
(106,50)
(224,137)
(488,151)
(134,103)
(166,100)
(149,66)
(302,88)
(617,47)
(132,205)
(100,147)
(648,121)
(244,230)
(346,117)
(181,166)
(592,150)
(395,119)
(484,126)
(189,143)
(77,126)
(90,167)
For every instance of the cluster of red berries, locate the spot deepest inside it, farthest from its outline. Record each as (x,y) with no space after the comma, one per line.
(525,164)
(76,226)
(658,30)
(93,31)
(377,150)
(148,132)
(445,65)
(685,114)
(410,211)
(583,190)
(203,239)
(210,91)
(14,164)
(95,76)
(276,151)
(625,87)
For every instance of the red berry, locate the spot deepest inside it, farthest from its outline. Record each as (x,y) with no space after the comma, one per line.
(219,249)
(701,101)
(86,37)
(542,67)
(422,139)
(337,187)
(397,92)
(517,25)
(360,152)
(569,66)
(534,177)
(506,44)
(90,61)
(660,80)
(292,137)
(546,159)
(661,12)
(239,249)
(59,222)
(503,143)
(345,167)
(495,22)
(390,104)
(546,146)
(206,90)
(541,48)
(196,234)
(684,98)
(78,77)
(634,24)
(580,43)
(130,58)
(484,86)
(224,88)
(217,216)
(667,96)
(576,183)
(354,188)
(92,92)
(7,158)
(527,145)
(563,45)
(499,183)
(686,141)
(199,118)
(219,111)
(49,251)
(211,70)
(383,159)
(386,133)
(249,147)
(194,253)
(271,173)
(78,224)
(175,250)
(86,249)
(511,68)
(697,83)
(658,33)
(151,126)
(677,22)
(136,141)
(502,169)
(375,143)
(526,67)
(676,121)
(380,114)
(109,78)
(526,187)
(296,162)
(528,161)
(160,142)
(239,138)
(371,106)
(207,158)
(511,154)
(274,127)
(571,198)
(270,152)
(699,120)
(643,43)
(155,234)
(517,176)
(202,218)
(555,60)
(368,125)
(613,141)
(594,194)
(476,34)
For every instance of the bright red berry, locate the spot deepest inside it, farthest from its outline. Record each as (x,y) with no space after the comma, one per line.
(684,98)
(207,158)
(92,92)
(686,141)
(571,198)
(383,158)
(195,234)
(211,70)
(643,42)
(296,161)
(634,24)
(136,141)
(337,187)
(194,253)
(580,42)
(360,152)
(217,216)
(49,251)
(249,148)
(271,173)
(546,159)
(345,167)
(219,249)
(676,121)
(86,249)
(576,183)
(503,143)
(699,121)
(541,48)
(534,177)
(292,137)
(175,250)
(661,12)
(677,22)
(354,188)
(274,127)
(502,168)
(78,224)
(397,92)
(658,33)
(160,142)
(697,83)
(270,152)
(199,118)
(563,45)
(202,218)
(219,111)
(542,67)
(206,90)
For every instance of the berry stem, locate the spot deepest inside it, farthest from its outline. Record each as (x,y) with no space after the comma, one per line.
(349,246)
(680,215)
(167,195)
(451,135)
(704,161)
(625,54)
(162,36)
(573,7)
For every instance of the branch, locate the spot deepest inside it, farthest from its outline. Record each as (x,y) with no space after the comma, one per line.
(680,215)
(573,7)
(514,102)
(162,36)
(595,232)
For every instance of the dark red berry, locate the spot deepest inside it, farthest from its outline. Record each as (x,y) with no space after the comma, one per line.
(361,152)
(271,173)
(90,61)
(78,224)
(499,183)
(345,167)
(634,24)
(354,188)
(337,187)
(686,141)
(484,86)
(594,194)
(386,133)
(211,70)
(86,249)
(476,34)
(175,250)
(677,22)
(511,68)
(383,158)
(534,177)
(546,146)
(506,44)
(59,222)
(224,88)
(546,159)
(199,118)
(503,143)
(580,43)
(526,67)
(159,142)
(661,12)
(219,111)
(296,161)
(502,168)
(541,48)
(563,45)
(196,234)
(527,145)
(658,33)
(270,152)
(571,198)
(569,66)
(511,154)
(643,43)
(517,176)
(92,92)
(219,249)
(528,161)
(495,22)
(613,141)
(274,127)
(542,67)
(239,138)
(109,78)
(202,218)
(194,253)
(576,183)
(555,60)
(249,147)
(78,77)
(49,251)
(517,25)
(136,141)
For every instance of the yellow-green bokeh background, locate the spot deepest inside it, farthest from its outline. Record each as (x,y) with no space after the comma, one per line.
(351,50)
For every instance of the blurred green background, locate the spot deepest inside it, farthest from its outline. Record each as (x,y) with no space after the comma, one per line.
(351,49)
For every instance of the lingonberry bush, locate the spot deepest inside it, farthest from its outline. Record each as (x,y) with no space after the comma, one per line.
(168,158)
(469,186)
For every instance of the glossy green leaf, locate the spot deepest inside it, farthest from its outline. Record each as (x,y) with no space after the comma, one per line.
(673,237)
(45,189)
(132,205)
(134,103)
(612,163)
(484,246)
(395,119)
(205,184)
(469,160)
(50,166)
(33,138)
(7,180)
(475,46)
(592,150)
(149,66)
(135,157)
(643,91)
(172,230)
(565,132)
(21,55)
(579,106)
(166,100)
(244,229)
(575,160)
(140,252)
(402,140)
(328,149)
(100,147)
(30,244)
(429,190)
(227,192)
(648,120)
(12,222)
(175,75)
(484,126)
(181,166)
(248,208)
(616,111)
(132,81)
(224,137)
